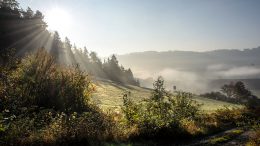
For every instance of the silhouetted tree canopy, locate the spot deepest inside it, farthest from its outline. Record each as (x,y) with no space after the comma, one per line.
(25,31)
(235,93)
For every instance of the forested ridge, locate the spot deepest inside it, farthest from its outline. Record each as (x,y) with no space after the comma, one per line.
(25,31)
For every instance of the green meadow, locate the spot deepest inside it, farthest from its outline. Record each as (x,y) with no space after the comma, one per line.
(109,96)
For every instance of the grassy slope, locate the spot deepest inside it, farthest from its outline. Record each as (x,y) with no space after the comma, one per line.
(109,96)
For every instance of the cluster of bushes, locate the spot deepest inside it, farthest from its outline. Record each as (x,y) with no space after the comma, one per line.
(48,103)
(163,115)
(38,81)
(46,126)
(166,116)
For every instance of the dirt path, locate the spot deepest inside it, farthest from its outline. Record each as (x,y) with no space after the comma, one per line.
(232,137)
(240,140)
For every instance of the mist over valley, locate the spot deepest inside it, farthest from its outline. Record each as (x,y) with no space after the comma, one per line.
(196,71)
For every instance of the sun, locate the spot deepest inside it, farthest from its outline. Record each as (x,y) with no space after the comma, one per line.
(59,20)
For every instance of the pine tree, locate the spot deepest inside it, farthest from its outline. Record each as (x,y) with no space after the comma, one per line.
(28,14)
(56,48)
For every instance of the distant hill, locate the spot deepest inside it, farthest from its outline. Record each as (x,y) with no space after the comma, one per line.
(195,71)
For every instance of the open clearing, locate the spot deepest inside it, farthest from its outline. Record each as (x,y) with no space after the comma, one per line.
(109,95)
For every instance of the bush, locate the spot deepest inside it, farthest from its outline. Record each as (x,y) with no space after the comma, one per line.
(42,102)
(38,81)
(254,139)
(228,116)
(130,110)
(163,115)
(53,127)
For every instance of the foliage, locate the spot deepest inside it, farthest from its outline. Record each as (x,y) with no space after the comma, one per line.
(47,103)
(118,73)
(44,99)
(235,93)
(52,127)
(38,81)
(130,109)
(254,140)
(31,34)
(163,114)
(230,116)
(18,27)
(50,104)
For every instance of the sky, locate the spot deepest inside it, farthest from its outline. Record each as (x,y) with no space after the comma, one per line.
(124,26)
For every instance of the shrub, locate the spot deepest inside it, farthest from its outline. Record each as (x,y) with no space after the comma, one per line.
(228,116)
(254,137)
(50,104)
(130,110)
(53,127)
(163,115)
(38,81)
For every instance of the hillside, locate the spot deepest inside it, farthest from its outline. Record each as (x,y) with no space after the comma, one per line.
(109,95)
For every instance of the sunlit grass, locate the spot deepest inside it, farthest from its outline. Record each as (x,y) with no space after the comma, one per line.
(109,95)
(210,105)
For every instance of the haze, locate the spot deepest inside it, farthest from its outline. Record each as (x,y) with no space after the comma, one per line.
(120,27)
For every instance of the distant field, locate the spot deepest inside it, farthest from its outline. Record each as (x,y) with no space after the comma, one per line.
(109,95)
(211,104)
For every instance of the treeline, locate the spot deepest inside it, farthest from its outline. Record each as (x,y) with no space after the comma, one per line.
(25,30)
(108,69)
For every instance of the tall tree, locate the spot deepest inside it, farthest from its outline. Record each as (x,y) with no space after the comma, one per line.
(69,56)
(67,43)
(39,19)
(159,91)
(227,89)
(237,91)
(11,4)
(28,14)
(38,15)
(56,48)
(86,55)
(94,59)
(240,91)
